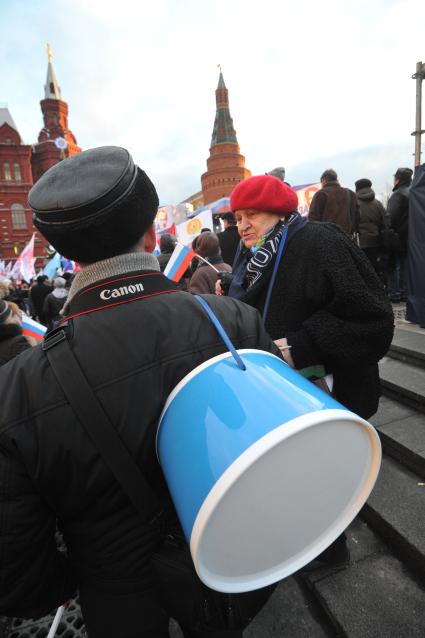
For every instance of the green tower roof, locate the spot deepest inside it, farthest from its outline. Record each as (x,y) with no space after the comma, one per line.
(223,132)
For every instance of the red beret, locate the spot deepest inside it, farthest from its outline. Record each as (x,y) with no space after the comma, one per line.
(264,192)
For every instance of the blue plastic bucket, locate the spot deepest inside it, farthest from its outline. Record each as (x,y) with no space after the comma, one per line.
(265,469)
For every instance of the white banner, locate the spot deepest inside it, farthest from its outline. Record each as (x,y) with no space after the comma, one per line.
(188,230)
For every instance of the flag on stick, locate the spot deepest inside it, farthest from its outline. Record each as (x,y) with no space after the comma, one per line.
(31,328)
(179,262)
(24,265)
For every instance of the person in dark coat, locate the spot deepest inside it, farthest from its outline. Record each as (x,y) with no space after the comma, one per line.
(336,204)
(167,243)
(398,214)
(54,302)
(12,341)
(38,293)
(204,278)
(229,239)
(328,311)
(134,344)
(372,222)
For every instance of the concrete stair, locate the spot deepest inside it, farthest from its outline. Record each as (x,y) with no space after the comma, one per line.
(381,593)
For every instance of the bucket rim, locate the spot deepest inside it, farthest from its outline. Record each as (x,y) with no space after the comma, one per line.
(245,461)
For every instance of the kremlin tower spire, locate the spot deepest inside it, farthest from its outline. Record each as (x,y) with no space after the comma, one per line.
(55,141)
(225,165)
(51,89)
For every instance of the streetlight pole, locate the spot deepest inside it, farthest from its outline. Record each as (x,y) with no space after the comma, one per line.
(418,76)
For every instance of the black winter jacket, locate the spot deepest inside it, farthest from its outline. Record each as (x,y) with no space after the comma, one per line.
(133,355)
(398,213)
(229,241)
(330,305)
(372,218)
(51,308)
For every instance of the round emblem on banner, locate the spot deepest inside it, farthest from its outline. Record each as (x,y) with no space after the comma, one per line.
(193,226)
(61,143)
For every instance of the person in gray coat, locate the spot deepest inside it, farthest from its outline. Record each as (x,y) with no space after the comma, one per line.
(372,222)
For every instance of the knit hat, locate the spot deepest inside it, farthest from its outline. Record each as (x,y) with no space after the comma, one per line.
(5,311)
(362,183)
(264,193)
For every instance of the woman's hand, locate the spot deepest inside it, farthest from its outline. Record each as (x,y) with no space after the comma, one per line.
(218,288)
(285,351)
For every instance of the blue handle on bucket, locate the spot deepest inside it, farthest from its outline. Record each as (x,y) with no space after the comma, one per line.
(221,332)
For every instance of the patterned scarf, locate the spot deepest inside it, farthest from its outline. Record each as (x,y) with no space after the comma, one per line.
(253,267)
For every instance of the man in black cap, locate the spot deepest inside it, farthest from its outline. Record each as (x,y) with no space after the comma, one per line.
(134,336)
(333,203)
(398,214)
(229,239)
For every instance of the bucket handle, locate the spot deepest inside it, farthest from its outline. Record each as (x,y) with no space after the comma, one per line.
(221,332)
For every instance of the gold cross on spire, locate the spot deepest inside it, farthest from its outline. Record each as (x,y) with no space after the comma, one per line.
(49,51)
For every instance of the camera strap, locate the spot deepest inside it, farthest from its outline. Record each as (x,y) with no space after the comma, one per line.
(95,421)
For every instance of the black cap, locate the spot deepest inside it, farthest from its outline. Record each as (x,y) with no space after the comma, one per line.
(82,187)
(94,205)
(363,183)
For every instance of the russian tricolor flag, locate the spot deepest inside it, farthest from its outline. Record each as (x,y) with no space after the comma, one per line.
(32,328)
(179,262)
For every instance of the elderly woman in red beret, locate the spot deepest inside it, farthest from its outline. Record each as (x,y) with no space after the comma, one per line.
(319,298)
(318,294)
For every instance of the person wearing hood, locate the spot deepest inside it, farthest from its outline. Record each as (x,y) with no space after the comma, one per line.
(372,222)
(54,302)
(12,341)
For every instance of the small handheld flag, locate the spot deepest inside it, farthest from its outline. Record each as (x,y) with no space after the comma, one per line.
(31,328)
(179,262)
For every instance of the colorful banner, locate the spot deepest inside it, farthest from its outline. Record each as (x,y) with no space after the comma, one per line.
(305,194)
(179,262)
(191,228)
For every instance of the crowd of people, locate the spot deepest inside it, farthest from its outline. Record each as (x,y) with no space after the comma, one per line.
(315,292)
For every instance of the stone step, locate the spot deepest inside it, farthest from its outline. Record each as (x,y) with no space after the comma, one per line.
(402,433)
(408,346)
(375,596)
(396,511)
(403,382)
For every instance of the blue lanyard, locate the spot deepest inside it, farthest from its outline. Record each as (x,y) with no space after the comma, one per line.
(273,277)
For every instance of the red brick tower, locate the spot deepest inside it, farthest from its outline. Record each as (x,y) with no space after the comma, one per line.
(55,141)
(16,226)
(225,165)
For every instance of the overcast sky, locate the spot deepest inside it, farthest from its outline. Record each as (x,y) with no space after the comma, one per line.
(312,85)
